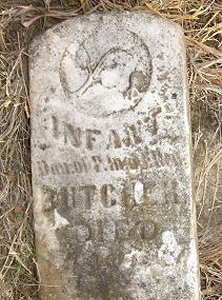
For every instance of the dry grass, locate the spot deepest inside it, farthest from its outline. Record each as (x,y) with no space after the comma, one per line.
(23,19)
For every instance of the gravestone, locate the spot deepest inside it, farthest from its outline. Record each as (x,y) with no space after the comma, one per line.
(113,207)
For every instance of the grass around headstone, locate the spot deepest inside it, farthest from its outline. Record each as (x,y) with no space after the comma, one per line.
(20,21)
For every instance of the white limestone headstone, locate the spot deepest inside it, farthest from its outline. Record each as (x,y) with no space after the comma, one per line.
(112,185)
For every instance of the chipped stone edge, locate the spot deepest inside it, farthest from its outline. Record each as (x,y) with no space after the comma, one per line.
(193,248)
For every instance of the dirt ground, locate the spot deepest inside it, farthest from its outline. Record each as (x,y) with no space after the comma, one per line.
(20,21)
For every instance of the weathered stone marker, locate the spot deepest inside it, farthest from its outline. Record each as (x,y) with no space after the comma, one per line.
(114,215)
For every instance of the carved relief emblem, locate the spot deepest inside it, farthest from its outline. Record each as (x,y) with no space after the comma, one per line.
(106,73)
